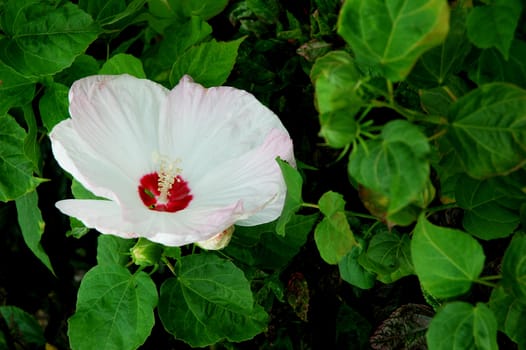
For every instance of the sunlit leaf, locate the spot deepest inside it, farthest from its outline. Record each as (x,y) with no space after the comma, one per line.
(209,300)
(466,327)
(114,309)
(487,128)
(43,39)
(493,25)
(446,260)
(391,35)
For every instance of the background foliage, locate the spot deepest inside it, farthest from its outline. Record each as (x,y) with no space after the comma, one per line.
(404,220)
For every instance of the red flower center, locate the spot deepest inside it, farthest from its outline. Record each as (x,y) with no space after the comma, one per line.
(177,196)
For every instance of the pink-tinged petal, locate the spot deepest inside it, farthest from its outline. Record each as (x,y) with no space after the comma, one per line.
(98,174)
(211,126)
(189,225)
(104,216)
(118,117)
(255,178)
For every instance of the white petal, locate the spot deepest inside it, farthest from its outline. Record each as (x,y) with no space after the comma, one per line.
(255,178)
(118,116)
(104,216)
(208,127)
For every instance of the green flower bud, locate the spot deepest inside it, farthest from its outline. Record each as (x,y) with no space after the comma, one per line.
(146,253)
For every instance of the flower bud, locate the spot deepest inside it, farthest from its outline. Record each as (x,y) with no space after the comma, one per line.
(146,253)
(219,241)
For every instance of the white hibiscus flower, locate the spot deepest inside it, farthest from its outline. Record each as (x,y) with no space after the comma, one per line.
(174,166)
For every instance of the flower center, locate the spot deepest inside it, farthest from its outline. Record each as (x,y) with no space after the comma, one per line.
(165,190)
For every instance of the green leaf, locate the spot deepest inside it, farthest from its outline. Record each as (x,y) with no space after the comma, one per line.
(446,261)
(23,327)
(487,128)
(123,63)
(436,65)
(260,246)
(334,237)
(53,105)
(514,267)
(331,203)
(113,250)
(15,89)
(339,128)
(32,225)
(205,9)
(494,25)
(114,309)
(489,210)
(209,300)
(353,272)
(42,39)
(491,66)
(209,63)
(388,256)
(510,314)
(16,169)
(394,165)
(466,327)
(178,37)
(391,35)
(293,200)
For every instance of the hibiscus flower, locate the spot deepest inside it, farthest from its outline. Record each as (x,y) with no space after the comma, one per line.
(174,166)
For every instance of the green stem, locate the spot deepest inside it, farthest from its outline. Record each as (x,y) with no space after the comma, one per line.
(438,208)
(310,205)
(485,283)
(360,215)
(169,265)
(490,278)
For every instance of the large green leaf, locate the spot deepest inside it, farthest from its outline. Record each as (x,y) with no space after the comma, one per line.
(32,225)
(514,267)
(493,25)
(15,89)
(510,314)
(209,300)
(390,35)
(446,260)
(209,63)
(487,128)
(460,325)
(42,39)
(179,36)
(353,272)
(114,309)
(490,210)
(16,169)
(491,66)
(394,165)
(437,64)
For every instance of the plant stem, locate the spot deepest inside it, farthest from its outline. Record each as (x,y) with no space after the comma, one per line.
(169,265)
(310,205)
